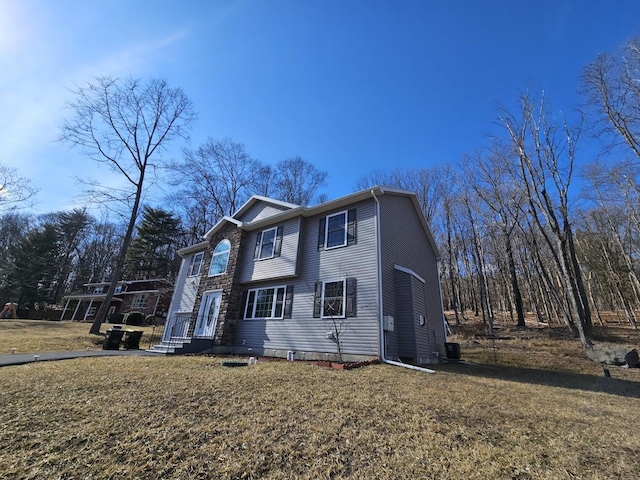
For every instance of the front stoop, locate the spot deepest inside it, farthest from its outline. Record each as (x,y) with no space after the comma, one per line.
(182,346)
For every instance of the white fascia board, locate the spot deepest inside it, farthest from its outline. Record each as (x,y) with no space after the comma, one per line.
(409,271)
(338,203)
(196,247)
(129,282)
(259,198)
(90,296)
(136,292)
(221,222)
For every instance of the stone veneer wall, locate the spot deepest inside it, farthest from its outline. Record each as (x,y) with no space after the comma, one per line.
(227,282)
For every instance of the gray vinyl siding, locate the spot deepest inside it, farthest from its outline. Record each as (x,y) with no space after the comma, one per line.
(404,242)
(425,344)
(185,290)
(303,332)
(276,267)
(404,318)
(260,210)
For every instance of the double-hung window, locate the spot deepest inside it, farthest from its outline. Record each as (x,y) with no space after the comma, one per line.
(268,243)
(196,264)
(268,303)
(337,230)
(140,301)
(335,299)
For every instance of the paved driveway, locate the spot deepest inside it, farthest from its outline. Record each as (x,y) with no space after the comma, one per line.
(22,358)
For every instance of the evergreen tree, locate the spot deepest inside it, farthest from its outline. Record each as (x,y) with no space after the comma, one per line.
(153,252)
(30,276)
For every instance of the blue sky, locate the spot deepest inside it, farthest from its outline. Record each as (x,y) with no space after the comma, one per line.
(351,86)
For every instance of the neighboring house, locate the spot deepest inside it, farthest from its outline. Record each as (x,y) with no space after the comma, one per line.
(151,297)
(351,279)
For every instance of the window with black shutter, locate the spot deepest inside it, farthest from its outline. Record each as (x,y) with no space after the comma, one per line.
(337,230)
(268,243)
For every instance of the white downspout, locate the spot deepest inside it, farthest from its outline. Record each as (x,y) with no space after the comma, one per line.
(380,304)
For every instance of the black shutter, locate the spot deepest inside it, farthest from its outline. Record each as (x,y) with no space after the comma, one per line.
(350,311)
(351,226)
(323,225)
(243,305)
(317,300)
(256,251)
(288,300)
(278,242)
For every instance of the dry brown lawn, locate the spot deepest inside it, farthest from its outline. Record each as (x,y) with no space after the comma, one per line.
(190,417)
(29,336)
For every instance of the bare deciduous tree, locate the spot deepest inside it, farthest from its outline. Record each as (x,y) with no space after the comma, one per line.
(125,124)
(611,85)
(219,175)
(489,177)
(297,181)
(546,159)
(15,191)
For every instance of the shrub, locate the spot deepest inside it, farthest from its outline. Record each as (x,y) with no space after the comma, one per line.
(134,318)
(116,318)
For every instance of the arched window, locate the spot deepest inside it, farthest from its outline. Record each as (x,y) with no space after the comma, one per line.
(220,258)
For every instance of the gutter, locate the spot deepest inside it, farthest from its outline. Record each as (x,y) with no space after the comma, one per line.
(380,302)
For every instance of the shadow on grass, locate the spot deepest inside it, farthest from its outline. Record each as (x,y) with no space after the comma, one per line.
(576,381)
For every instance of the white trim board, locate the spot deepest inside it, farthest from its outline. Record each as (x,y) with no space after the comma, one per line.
(409,271)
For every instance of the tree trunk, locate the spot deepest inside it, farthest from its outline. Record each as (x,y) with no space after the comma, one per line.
(101,314)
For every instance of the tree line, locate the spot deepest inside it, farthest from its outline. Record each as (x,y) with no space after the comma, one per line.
(45,257)
(544,218)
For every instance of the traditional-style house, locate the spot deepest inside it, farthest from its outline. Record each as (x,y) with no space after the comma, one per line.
(351,279)
(150,297)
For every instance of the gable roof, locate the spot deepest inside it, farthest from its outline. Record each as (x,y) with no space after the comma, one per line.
(224,220)
(259,198)
(293,211)
(345,202)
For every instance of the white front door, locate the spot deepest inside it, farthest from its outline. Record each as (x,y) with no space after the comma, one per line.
(208,314)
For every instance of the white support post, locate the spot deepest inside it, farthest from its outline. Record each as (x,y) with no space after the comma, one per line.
(73,317)
(86,312)
(64,310)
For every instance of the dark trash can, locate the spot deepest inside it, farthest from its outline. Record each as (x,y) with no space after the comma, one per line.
(453,350)
(132,340)
(112,340)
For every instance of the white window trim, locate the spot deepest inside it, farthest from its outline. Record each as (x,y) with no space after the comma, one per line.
(273,245)
(192,263)
(344,298)
(273,307)
(326,231)
(226,252)
(137,304)
(91,311)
